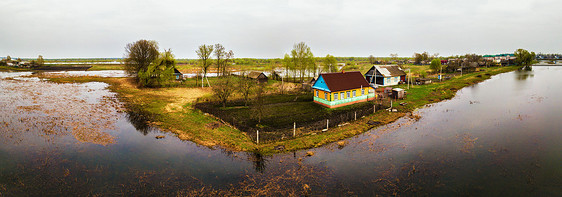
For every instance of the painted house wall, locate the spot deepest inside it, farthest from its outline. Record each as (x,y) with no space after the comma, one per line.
(320,84)
(390,81)
(328,99)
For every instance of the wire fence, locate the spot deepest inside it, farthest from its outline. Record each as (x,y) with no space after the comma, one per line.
(321,123)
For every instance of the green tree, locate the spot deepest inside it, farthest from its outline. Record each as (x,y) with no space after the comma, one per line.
(160,72)
(139,55)
(204,52)
(524,57)
(435,65)
(330,64)
(302,57)
(8,58)
(288,64)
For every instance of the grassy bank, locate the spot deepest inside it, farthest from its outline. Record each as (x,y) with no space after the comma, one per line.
(171,109)
(107,67)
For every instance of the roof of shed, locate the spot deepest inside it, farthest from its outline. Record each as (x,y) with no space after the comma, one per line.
(387,71)
(344,80)
(255,74)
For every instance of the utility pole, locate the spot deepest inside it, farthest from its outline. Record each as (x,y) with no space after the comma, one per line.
(294,129)
(409,72)
(440,71)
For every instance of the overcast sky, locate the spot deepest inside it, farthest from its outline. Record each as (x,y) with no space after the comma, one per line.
(268,29)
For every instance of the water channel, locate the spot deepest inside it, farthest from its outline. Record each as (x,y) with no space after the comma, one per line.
(499,137)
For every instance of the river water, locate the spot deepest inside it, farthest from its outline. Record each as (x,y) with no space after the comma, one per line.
(499,137)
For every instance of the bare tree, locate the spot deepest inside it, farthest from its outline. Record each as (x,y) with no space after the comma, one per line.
(220,54)
(245,87)
(40,60)
(228,60)
(258,107)
(372,59)
(139,55)
(204,52)
(223,89)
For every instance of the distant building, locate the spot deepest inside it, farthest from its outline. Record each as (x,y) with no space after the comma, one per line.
(334,90)
(178,74)
(385,75)
(259,76)
(500,57)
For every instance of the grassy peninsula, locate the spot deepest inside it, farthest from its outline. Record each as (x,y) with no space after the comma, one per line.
(171,109)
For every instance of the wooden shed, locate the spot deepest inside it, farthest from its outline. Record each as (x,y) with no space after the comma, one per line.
(259,76)
(397,93)
(177,74)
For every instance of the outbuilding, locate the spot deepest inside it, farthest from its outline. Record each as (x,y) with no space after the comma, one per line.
(178,74)
(385,75)
(259,76)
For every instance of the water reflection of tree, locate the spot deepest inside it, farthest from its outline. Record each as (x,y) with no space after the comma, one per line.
(258,160)
(139,121)
(524,73)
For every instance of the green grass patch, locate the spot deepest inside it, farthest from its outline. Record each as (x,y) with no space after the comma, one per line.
(107,67)
(169,112)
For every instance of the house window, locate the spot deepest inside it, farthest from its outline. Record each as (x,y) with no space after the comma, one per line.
(348,94)
(316,93)
(354,94)
(325,95)
(336,96)
(362,91)
(342,95)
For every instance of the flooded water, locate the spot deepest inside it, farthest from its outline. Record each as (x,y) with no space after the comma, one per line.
(500,137)
(95,73)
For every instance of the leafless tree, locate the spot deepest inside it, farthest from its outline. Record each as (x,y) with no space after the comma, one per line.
(223,89)
(220,54)
(245,88)
(204,52)
(139,55)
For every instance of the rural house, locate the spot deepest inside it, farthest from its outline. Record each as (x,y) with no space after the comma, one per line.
(385,75)
(340,89)
(259,76)
(178,74)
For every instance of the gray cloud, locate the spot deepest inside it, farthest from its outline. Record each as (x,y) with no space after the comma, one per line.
(267,28)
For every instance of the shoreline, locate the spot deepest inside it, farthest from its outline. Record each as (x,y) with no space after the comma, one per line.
(187,123)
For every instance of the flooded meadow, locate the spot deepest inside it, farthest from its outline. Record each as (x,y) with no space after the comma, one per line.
(499,137)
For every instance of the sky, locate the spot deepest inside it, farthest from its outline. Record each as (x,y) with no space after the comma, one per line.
(269,29)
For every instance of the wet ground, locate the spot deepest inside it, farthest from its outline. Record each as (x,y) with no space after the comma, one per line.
(500,137)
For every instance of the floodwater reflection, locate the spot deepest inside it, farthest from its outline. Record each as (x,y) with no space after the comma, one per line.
(501,138)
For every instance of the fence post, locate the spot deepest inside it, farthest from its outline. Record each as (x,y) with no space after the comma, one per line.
(258,136)
(294,129)
(374,108)
(355,115)
(327,124)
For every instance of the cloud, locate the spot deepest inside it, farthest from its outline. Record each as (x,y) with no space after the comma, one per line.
(267,28)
